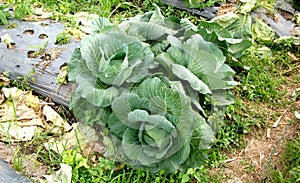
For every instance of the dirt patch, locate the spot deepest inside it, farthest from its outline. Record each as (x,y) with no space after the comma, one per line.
(30,166)
(250,163)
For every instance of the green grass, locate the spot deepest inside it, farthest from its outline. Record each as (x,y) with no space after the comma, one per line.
(290,172)
(108,171)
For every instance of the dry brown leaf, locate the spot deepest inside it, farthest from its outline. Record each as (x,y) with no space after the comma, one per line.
(57,121)
(81,135)
(4,81)
(19,119)
(2,98)
(12,131)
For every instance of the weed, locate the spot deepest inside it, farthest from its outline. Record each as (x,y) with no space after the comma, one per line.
(62,38)
(23,82)
(40,49)
(3,15)
(22,8)
(260,82)
(17,159)
(290,171)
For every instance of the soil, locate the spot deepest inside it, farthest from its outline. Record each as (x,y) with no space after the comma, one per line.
(263,145)
(31,167)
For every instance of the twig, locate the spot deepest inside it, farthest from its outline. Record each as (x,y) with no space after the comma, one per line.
(232,159)
(279,119)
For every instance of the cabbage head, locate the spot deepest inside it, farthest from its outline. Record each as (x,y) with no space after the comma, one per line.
(107,62)
(153,125)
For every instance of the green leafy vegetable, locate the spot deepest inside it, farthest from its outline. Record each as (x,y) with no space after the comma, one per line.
(147,81)
(261,32)
(154,124)
(107,61)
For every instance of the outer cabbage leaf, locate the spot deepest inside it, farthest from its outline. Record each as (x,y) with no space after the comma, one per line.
(102,25)
(151,26)
(241,28)
(202,65)
(87,112)
(215,33)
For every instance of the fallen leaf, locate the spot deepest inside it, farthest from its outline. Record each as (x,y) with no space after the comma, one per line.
(6,39)
(226,8)
(13,92)
(268,133)
(2,98)
(57,121)
(19,119)
(63,175)
(81,136)
(32,101)
(13,132)
(292,57)
(18,112)
(4,81)
(62,76)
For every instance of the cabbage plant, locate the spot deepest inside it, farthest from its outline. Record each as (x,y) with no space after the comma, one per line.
(149,83)
(107,62)
(153,125)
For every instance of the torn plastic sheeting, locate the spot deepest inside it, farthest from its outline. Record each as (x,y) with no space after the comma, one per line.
(208,13)
(282,27)
(33,36)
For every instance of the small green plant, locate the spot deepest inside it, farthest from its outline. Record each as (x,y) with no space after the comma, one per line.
(200,3)
(23,83)
(22,9)
(17,159)
(62,38)
(3,15)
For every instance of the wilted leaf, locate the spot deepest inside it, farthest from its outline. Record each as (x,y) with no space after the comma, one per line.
(80,136)
(85,20)
(246,6)
(4,81)
(261,32)
(55,118)
(226,8)
(6,39)
(19,117)
(32,101)
(63,175)
(12,131)
(226,19)
(62,76)
(2,98)
(13,92)
(264,52)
